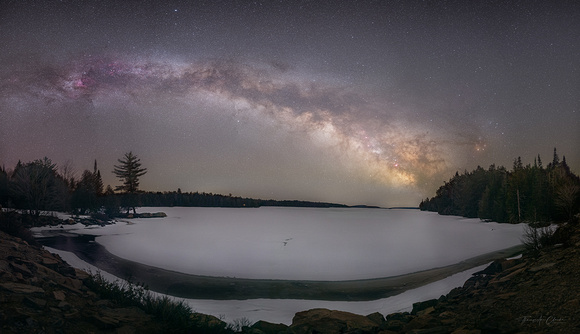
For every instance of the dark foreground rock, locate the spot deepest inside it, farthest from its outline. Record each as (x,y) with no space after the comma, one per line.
(40,293)
(330,321)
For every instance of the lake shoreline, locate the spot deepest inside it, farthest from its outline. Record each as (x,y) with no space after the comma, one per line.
(230,288)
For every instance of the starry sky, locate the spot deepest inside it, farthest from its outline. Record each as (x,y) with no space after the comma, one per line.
(355,102)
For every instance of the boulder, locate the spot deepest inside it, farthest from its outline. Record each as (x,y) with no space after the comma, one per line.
(420,306)
(403,317)
(59,295)
(426,311)
(331,321)
(269,328)
(81,274)
(377,318)
(494,268)
(49,261)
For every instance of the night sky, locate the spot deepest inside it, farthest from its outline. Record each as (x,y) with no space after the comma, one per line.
(356,102)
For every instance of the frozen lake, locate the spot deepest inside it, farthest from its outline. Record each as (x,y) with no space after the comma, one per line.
(283,310)
(301,243)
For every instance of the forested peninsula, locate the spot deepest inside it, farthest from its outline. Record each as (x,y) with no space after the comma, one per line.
(41,185)
(530,193)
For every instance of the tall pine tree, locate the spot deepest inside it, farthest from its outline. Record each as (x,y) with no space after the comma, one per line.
(129,171)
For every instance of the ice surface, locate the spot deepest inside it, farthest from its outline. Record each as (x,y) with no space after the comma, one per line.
(283,310)
(302,243)
(76,262)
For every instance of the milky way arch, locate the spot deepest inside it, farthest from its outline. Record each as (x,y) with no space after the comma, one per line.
(387,146)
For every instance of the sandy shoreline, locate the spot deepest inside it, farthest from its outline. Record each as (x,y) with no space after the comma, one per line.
(227,288)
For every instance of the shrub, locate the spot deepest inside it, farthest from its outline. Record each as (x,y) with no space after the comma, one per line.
(177,316)
(536,238)
(238,324)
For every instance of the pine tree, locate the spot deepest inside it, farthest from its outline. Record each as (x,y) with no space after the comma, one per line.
(129,171)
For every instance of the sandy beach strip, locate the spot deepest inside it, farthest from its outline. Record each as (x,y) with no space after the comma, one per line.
(230,288)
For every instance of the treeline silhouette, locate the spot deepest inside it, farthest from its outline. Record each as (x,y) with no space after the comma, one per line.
(531,193)
(195,199)
(40,185)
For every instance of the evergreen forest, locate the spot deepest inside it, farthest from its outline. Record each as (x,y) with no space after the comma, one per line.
(530,193)
(40,185)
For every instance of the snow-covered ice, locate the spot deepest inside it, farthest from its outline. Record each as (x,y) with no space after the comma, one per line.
(283,310)
(301,243)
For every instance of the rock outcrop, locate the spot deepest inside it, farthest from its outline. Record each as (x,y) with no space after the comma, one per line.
(40,293)
(330,321)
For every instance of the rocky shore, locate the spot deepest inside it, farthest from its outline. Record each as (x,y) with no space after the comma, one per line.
(539,293)
(40,293)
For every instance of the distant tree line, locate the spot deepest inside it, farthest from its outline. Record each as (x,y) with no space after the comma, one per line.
(195,199)
(531,193)
(40,185)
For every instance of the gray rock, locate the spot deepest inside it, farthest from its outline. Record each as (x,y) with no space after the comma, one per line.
(420,306)
(377,318)
(59,295)
(21,288)
(330,321)
(21,268)
(269,328)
